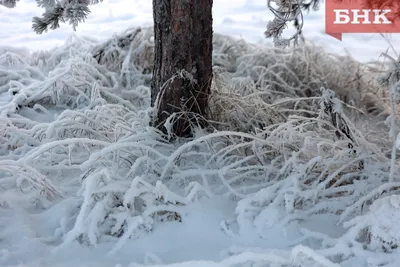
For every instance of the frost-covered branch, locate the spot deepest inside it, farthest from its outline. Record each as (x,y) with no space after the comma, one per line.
(286,11)
(66,11)
(72,12)
(9,3)
(291,11)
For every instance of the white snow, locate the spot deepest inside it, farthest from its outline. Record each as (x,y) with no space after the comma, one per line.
(81,164)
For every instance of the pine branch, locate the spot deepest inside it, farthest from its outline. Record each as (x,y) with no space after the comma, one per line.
(9,3)
(46,3)
(51,19)
(286,11)
(71,11)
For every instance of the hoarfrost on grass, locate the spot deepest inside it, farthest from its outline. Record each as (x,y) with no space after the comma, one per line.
(292,141)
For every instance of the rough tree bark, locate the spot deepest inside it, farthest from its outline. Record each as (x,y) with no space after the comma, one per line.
(183,62)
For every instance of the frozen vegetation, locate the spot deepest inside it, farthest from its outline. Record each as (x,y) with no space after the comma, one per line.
(296,168)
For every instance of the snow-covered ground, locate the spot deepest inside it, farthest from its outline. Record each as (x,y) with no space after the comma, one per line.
(223,225)
(240,18)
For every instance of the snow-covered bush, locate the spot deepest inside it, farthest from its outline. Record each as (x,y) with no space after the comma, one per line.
(260,86)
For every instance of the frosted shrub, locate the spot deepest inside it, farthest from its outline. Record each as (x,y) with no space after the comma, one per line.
(130,54)
(330,167)
(122,211)
(265,85)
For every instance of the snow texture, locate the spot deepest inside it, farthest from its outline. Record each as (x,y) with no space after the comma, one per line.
(297,168)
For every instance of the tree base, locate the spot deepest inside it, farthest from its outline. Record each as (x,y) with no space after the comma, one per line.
(176,108)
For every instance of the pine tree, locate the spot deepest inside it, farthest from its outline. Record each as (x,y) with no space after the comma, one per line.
(183,62)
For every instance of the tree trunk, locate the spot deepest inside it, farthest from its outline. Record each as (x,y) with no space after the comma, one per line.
(183,62)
